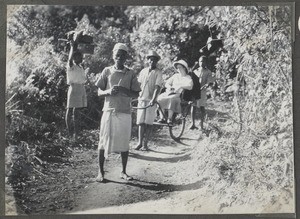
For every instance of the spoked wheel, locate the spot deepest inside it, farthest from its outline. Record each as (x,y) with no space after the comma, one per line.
(177,128)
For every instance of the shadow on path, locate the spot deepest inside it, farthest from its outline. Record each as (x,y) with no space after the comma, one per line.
(160,186)
(161,152)
(159,159)
(180,142)
(162,140)
(194,138)
(134,191)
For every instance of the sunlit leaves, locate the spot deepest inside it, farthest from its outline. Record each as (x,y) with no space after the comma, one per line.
(256,41)
(257,49)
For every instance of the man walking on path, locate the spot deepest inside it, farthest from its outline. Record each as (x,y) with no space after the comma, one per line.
(151,80)
(118,85)
(205,79)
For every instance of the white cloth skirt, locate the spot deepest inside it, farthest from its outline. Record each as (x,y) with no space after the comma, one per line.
(115,132)
(171,102)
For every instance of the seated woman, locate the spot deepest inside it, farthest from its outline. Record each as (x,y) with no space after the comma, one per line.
(170,100)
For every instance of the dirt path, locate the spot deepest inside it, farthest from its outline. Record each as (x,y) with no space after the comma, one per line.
(152,171)
(187,177)
(69,187)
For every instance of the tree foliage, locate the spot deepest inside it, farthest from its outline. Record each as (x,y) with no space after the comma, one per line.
(257,43)
(37,61)
(173,31)
(248,46)
(257,49)
(249,50)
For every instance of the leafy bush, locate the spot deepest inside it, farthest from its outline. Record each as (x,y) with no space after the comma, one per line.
(252,53)
(25,128)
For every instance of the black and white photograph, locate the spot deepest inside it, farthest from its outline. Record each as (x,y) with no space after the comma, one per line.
(136,109)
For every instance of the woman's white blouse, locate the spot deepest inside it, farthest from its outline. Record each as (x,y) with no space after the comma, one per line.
(179,82)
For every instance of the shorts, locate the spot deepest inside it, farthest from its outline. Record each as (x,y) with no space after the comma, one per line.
(202,101)
(145,116)
(76,96)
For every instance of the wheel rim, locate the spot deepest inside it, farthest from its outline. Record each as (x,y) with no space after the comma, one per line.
(177,127)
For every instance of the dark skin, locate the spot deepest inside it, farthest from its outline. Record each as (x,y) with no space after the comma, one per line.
(145,129)
(203,64)
(152,60)
(119,57)
(72,114)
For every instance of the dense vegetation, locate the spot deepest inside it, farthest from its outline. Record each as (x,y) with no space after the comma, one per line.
(250,53)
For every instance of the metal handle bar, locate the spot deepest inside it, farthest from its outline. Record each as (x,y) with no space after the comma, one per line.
(145,107)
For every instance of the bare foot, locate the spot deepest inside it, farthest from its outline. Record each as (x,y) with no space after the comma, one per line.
(100,177)
(125,176)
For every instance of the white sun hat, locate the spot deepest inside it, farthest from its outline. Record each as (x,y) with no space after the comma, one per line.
(181,62)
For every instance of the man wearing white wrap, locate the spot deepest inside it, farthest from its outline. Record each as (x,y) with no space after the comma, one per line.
(118,85)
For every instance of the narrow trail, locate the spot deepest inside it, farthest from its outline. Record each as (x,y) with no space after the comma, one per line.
(152,173)
(172,178)
(69,187)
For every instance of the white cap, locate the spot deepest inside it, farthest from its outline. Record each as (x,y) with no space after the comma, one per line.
(183,63)
(121,46)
